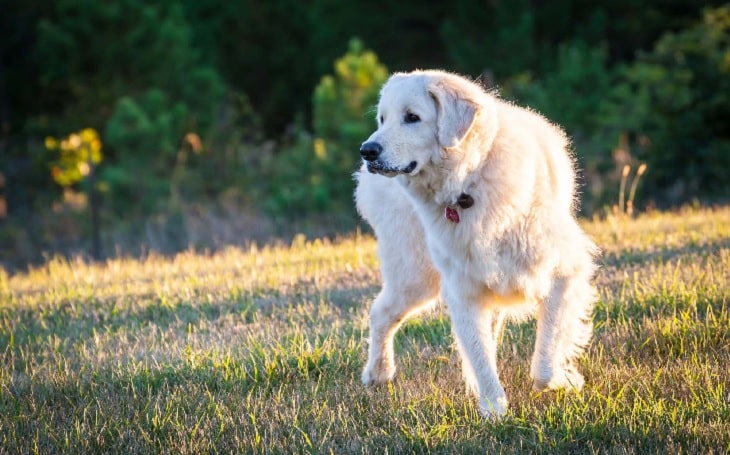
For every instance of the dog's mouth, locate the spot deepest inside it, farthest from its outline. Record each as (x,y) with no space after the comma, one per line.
(378,167)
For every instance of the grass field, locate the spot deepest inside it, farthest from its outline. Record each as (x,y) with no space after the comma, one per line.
(260,350)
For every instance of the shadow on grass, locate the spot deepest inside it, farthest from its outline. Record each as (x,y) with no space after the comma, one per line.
(76,319)
(633,257)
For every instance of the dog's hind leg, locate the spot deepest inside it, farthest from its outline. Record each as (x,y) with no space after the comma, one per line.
(564,328)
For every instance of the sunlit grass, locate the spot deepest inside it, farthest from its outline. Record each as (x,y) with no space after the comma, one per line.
(260,350)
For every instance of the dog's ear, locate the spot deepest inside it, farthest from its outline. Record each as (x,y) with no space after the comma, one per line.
(456,113)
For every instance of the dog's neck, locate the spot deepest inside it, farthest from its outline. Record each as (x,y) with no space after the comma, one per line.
(443,183)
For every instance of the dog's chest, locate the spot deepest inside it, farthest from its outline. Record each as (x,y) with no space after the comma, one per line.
(460,247)
(476,250)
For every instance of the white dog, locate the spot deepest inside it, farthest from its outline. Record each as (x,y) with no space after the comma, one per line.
(475,197)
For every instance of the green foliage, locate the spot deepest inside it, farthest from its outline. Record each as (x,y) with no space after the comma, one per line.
(314,173)
(125,46)
(573,94)
(150,130)
(498,37)
(343,104)
(579,95)
(679,99)
(673,105)
(146,137)
(138,63)
(148,76)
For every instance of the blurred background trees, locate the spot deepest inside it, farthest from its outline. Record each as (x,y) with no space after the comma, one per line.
(312,174)
(224,121)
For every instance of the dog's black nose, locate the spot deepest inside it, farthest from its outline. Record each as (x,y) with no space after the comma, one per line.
(370,151)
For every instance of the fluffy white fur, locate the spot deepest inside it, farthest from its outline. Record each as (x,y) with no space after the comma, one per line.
(518,250)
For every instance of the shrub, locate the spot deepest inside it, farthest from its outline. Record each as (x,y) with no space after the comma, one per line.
(579,96)
(679,99)
(669,109)
(573,94)
(77,154)
(314,172)
(136,75)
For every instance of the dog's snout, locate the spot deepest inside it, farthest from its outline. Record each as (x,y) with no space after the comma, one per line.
(370,151)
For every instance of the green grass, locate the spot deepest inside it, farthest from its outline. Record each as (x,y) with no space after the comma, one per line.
(260,351)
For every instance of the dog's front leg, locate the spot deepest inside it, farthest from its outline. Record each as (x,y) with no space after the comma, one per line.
(476,328)
(495,320)
(388,313)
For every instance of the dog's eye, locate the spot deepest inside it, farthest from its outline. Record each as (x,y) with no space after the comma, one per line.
(381,119)
(410,117)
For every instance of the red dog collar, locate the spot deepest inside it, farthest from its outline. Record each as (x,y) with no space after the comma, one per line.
(465,201)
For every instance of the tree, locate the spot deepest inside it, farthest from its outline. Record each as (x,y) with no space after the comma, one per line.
(132,70)
(78,156)
(315,172)
(679,98)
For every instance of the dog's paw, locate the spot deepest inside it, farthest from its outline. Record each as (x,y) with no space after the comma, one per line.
(568,379)
(377,373)
(493,409)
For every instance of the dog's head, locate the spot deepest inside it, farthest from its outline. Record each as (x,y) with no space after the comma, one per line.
(421,115)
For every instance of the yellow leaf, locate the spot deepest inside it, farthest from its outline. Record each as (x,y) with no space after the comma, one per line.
(320,148)
(89,135)
(51,143)
(75,141)
(84,168)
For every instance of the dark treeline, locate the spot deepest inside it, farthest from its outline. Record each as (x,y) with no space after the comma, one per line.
(206,122)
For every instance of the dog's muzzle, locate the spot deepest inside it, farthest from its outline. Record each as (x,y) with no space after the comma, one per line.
(371,151)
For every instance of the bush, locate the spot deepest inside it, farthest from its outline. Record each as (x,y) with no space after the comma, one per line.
(579,96)
(137,76)
(679,99)
(313,174)
(669,109)
(573,95)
